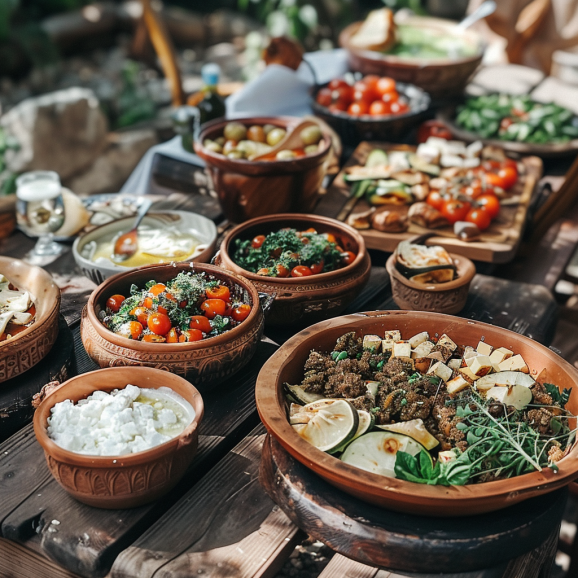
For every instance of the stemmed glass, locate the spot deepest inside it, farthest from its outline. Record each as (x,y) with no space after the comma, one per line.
(40,211)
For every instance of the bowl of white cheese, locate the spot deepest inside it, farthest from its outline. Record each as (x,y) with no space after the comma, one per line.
(119,437)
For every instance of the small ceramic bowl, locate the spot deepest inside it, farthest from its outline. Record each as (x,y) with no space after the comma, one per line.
(449,298)
(118,482)
(23,351)
(304,299)
(205,362)
(202,228)
(440,77)
(249,189)
(390,128)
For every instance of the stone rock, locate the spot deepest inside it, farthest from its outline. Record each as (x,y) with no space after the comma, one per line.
(110,171)
(63,131)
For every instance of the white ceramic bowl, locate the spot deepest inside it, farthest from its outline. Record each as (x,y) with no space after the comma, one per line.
(202,228)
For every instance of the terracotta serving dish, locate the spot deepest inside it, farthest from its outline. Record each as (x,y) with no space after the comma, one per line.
(449,298)
(205,362)
(248,189)
(440,77)
(389,128)
(304,299)
(286,366)
(127,481)
(23,351)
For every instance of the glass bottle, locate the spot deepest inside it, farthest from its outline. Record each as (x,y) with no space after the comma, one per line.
(213,104)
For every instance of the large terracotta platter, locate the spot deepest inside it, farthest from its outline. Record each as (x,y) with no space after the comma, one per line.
(286,365)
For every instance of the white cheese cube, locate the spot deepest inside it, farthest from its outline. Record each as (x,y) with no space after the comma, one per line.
(427,152)
(474,149)
(423,349)
(515,363)
(483,348)
(387,344)
(441,370)
(481,365)
(454,363)
(402,349)
(419,339)
(498,355)
(449,160)
(394,335)
(471,163)
(372,342)
(447,342)
(457,384)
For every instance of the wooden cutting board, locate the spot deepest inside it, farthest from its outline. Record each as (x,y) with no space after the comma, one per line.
(497,244)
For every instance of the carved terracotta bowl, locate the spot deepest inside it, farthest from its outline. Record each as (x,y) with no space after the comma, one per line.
(286,366)
(447,298)
(23,351)
(205,362)
(440,77)
(304,299)
(115,482)
(248,189)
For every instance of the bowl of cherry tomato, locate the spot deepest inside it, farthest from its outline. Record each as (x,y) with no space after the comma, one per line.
(312,266)
(244,186)
(370,107)
(198,321)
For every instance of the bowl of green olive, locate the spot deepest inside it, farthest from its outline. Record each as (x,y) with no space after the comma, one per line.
(252,177)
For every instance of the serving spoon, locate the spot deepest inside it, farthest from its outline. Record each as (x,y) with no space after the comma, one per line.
(292,140)
(126,244)
(483,10)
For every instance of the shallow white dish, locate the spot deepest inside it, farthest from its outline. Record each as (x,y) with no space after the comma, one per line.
(202,228)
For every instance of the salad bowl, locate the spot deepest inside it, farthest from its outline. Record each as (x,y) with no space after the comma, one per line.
(286,366)
(302,299)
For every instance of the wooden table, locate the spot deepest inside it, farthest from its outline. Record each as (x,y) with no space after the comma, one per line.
(218,521)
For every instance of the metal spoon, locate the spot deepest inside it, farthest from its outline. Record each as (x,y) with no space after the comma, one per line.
(126,244)
(483,10)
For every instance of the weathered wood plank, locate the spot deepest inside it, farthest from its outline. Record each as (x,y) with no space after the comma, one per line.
(341,567)
(225,526)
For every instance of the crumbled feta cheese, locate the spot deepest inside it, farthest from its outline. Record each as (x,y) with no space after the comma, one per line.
(116,424)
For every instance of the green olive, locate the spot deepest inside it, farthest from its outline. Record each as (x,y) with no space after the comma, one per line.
(311,135)
(267,128)
(285,155)
(276,136)
(311,149)
(236,155)
(235,131)
(213,147)
(229,146)
(221,140)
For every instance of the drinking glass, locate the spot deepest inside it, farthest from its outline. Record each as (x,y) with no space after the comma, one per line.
(40,210)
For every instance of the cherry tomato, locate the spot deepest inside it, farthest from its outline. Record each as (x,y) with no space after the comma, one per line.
(510,163)
(218,292)
(258,241)
(399,107)
(152,338)
(213,307)
(159,323)
(336,83)
(173,335)
(200,322)
(509,177)
(330,238)
(357,108)
(157,289)
(263,272)
(301,271)
(385,85)
(194,335)
(473,190)
(338,107)
(379,108)
(364,92)
(241,312)
(490,203)
(148,302)
(348,257)
(480,218)
(310,230)
(494,180)
(435,200)
(433,128)
(390,97)
(135,329)
(162,309)
(114,303)
(455,211)
(343,94)
(324,97)
(141,314)
(317,268)
(505,123)
(371,81)
(282,271)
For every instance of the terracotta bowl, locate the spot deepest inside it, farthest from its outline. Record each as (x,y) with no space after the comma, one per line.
(124,481)
(286,365)
(392,128)
(305,299)
(205,362)
(440,77)
(28,347)
(449,298)
(249,189)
